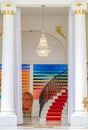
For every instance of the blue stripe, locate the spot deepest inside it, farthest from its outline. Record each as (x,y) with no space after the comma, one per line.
(25,66)
(25,69)
(0,66)
(49,67)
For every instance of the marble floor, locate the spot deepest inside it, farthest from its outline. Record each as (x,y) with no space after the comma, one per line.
(35,124)
(54,128)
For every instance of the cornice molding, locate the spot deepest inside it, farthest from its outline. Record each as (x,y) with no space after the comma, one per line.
(38,3)
(47,3)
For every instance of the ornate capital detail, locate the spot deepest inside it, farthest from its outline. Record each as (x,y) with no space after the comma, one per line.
(8,9)
(79,4)
(79,8)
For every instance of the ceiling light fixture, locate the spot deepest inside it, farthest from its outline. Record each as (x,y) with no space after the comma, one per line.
(43,48)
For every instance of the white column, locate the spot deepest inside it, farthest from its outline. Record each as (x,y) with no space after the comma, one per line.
(80,116)
(70,64)
(18,67)
(7,115)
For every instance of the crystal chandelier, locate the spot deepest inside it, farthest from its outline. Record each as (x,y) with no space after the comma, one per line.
(43,48)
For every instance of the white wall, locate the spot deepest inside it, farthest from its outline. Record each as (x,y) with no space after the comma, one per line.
(30,40)
(35,108)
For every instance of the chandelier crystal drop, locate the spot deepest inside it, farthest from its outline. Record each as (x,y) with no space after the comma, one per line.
(43,49)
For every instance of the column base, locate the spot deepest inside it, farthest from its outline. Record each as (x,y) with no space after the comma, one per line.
(79,119)
(8,120)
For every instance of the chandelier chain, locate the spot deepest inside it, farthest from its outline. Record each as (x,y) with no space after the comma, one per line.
(43,11)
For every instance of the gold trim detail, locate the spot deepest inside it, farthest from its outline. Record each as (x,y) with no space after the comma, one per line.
(8,12)
(58,29)
(80,11)
(85,102)
(8,5)
(79,4)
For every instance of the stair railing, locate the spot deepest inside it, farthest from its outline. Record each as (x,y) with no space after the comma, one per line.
(52,87)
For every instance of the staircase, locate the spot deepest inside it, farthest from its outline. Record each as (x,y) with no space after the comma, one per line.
(56,109)
(53,104)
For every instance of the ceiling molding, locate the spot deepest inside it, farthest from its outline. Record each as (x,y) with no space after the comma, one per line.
(38,3)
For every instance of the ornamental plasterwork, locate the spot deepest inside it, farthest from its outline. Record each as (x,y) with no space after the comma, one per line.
(79,6)
(8,7)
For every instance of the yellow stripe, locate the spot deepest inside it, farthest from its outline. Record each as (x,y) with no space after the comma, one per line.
(25,88)
(40,81)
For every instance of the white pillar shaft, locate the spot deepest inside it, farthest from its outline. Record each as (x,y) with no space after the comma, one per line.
(7,100)
(71,89)
(18,70)
(80,62)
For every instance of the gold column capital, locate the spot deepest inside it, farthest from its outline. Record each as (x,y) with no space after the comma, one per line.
(8,8)
(79,8)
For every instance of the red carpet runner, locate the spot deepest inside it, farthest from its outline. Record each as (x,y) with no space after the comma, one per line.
(55,110)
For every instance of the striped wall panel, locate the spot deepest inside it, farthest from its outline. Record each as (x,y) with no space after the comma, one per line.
(43,73)
(25,77)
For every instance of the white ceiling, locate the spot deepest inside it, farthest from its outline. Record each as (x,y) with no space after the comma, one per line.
(49,11)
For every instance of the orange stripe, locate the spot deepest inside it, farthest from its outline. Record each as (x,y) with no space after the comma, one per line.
(26,77)
(25,86)
(26,72)
(25,80)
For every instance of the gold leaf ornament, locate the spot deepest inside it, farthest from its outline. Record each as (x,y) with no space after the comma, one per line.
(8,5)
(58,29)
(79,4)
(85,102)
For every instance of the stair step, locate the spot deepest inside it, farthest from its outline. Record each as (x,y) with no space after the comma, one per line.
(53,110)
(53,118)
(60,100)
(62,97)
(54,114)
(56,107)
(58,103)
(64,94)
